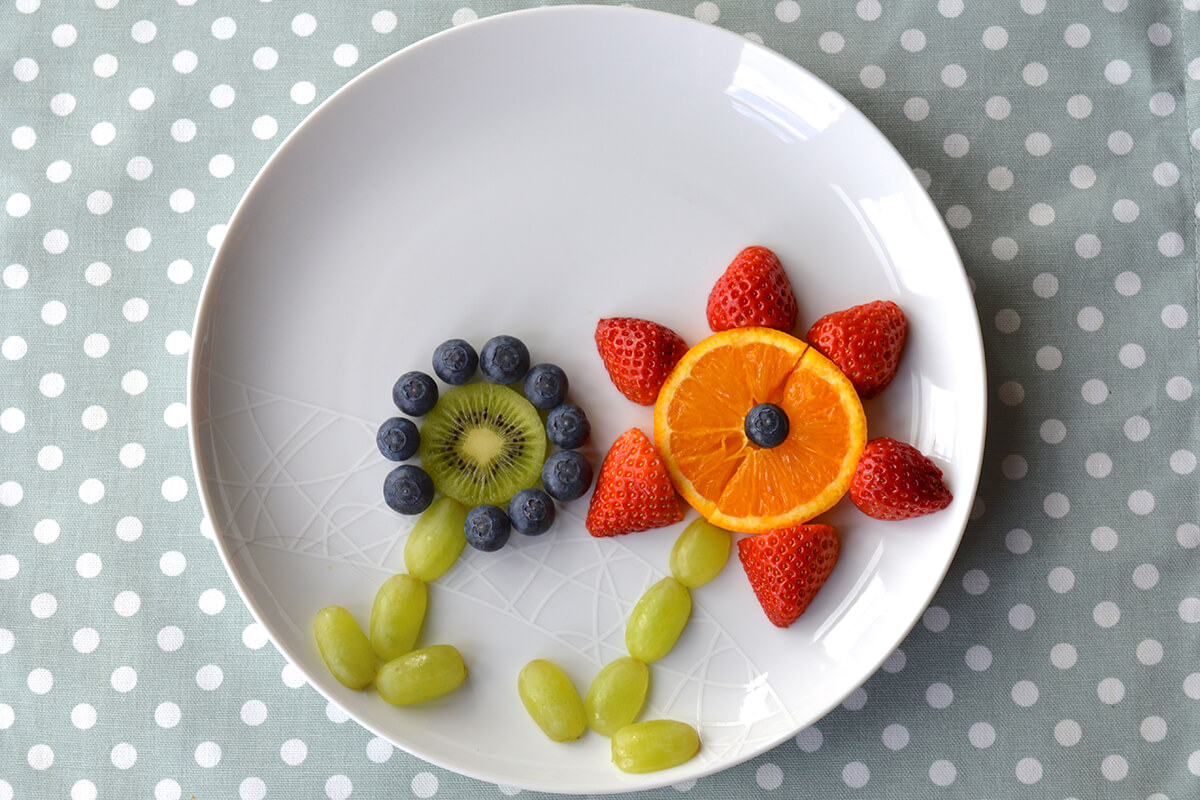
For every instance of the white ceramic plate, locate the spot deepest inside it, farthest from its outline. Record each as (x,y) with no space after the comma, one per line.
(529,174)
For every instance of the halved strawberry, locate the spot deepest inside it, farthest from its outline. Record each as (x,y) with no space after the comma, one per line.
(894,480)
(786,567)
(865,342)
(753,292)
(639,355)
(633,491)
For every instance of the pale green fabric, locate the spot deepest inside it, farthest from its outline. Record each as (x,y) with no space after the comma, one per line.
(1059,659)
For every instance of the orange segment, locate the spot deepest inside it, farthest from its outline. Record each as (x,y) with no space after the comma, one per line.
(699,430)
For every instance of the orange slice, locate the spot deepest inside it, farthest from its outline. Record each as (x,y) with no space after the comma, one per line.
(699,429)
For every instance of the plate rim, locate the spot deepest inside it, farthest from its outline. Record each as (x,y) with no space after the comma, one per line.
(208,298)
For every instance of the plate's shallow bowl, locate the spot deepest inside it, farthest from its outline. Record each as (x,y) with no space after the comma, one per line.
(528,174)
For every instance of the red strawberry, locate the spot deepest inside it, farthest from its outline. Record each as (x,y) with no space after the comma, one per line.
(786,567)
(639,355)
(864,341)
(633,491)
(894,480)
(753,292)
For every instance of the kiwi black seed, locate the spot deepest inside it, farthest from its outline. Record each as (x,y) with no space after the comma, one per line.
(483,443)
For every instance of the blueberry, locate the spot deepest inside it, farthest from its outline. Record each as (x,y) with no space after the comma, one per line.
(415,393)
(546,385)
(504,360)
(567,426)
(454,361)
(767,425)
(566,475)
(408,489)
(398,439)
(531,512)
(486,528)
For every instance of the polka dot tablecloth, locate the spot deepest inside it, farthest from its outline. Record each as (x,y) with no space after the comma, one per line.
(1061,657)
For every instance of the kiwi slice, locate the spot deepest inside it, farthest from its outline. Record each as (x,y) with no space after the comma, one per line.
(483,443)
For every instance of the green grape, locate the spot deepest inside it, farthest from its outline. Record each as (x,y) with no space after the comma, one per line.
(616,695)
(700,553)
(654,745)
(551,700)
(421,675)
(344,647)
(436,539)
(657,620)
(397,615)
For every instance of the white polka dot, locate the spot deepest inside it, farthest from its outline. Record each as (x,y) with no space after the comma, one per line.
(939,695)
(1179,388)
(9,566)
(380,750)
(1063,655)
(97,273)
(1000,178)
(12,420)
(1128,284)
(345,55)
(1021,617)
(123,756)
(292,677)
(18,205)
(868,10)
(182,201)
(179,271)
(1082,177)
(25,69)
(83,716)
(172,563)
(254,712)
(252,789)
(215,235)
(99,202)
(1029,770)
(40,756)
(1136,428)
(185,61)
(936,619)
(224,28)
(55,241)
(1079,106)
(424,784)
(143,31)
(129,529)
(978,658)
(123,679)
(958,216)
(981,735)
(1149,652)
(1106,614)
(1104,538)
(254,636)
(40,681)
(942,772)
(831,42)
(872,76)
(167,789)
(1183,462)
(46,531)
(304,24)
(10,493)
(1024,693)
(1035,74)
(23,137)
(138,239)
(264,127)
(183,130)
(178,343)
(924,178)
(338,787)
(293,752)
(1077,35)
(91,491)
(212,601)
(1068,733)
(141,98)
(28,6)
(267,57)
(88,565)
(127,603)
(1110,691)
(1170,244)
(175,415)
(174,489)
(208,754)
(1153,729)
(1048,358)
(220,166)
(1120,142)
(1098,465)
(1061,580)
(995,38)
(1011,393)
(1041,214)
(895,662)
(1191,686)
(916,108)
(222,95)
(1014,467)
(385,21)
(1118,71)
(209,677)
(1162,104)
(58,172)
(953,75)
(132,455)
(1189,610)
(170,639)
(912,40)
(856,700)
(956,145)
(768,776)
(1004,248)
(1145,576)
(895,737)
(15,276)
(64,35)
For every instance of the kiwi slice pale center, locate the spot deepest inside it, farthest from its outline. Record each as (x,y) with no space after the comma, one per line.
(483,443)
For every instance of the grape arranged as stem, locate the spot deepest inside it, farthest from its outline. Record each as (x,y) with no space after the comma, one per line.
(344,647)
(657,620)
(551,700)
(397,615)
(653,745)
(421,675)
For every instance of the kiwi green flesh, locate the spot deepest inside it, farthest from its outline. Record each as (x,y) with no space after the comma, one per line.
(483,443)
